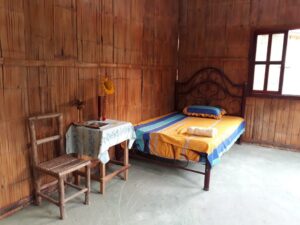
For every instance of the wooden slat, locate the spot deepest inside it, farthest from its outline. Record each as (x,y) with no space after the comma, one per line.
(47,116)
(62,160)
(45,186)
(75,194)
(48,139)
(69,167)
(74,185)
(116,172)
(48,198)
(61,166)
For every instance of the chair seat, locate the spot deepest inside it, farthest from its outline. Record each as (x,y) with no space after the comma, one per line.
(62,165)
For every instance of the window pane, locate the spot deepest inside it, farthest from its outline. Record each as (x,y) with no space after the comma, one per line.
(277,46)
(293,48)
(261,47)
(274,75)
(259,77)
(291,79)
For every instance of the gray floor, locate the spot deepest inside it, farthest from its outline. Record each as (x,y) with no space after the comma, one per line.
(251,185)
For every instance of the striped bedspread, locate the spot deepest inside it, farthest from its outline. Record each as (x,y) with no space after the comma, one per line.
(167,137)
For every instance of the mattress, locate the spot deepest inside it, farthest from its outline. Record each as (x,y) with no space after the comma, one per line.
(167,137)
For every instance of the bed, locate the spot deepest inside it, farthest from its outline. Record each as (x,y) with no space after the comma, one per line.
(167,137)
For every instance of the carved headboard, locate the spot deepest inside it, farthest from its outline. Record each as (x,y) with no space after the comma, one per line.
(211,86)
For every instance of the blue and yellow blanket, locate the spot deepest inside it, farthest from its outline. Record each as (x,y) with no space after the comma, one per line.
(166,137)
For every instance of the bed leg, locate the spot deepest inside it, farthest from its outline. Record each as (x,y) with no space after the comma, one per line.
(239,141)
(207,175)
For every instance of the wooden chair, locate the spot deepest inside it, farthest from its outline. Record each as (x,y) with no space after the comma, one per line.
(58,167)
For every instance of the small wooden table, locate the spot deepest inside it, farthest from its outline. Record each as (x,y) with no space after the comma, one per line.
(86,140)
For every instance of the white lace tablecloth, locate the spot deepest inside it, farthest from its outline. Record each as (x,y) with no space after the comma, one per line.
(96,142)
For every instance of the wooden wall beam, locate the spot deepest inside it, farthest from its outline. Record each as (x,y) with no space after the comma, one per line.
(77,64)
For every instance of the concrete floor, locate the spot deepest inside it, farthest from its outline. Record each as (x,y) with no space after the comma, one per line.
(251,185)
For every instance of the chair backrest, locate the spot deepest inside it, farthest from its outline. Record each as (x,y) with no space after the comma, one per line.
(35,143)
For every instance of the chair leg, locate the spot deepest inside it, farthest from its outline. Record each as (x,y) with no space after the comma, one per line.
(102,175)
(87,184)
(125,160)
(76,178)
(37,187)
(61,189)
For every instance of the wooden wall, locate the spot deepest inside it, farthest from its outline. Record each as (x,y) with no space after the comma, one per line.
(273,122)
(218,33)
(55,51)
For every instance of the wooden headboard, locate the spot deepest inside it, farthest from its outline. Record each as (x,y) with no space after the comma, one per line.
(211,86)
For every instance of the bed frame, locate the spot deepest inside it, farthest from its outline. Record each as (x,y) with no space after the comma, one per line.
(207,86)
(211,86)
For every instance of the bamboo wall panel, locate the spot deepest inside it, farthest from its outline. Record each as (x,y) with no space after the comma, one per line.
(273,122)
(218,33)
(53,52)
